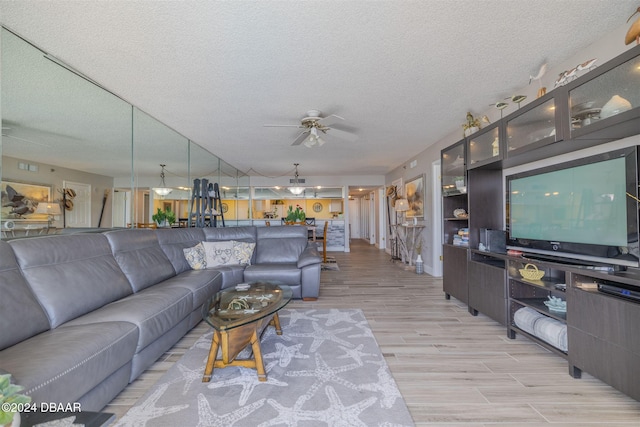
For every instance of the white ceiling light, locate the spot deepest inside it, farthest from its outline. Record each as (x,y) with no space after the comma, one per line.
(163,190)
(296,189)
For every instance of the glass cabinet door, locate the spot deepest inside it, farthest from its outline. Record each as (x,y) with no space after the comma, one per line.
(606,98)
(484,147)
(454,170)
(533,128)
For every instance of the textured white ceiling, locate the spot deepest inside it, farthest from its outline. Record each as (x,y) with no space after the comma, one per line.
(402,73)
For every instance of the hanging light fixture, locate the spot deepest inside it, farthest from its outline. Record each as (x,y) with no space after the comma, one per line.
(163,190)
(296,189)
(314,138)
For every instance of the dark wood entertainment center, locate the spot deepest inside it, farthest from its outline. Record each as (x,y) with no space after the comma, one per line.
(600,328)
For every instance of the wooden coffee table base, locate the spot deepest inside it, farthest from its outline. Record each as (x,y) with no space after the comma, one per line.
(233,341)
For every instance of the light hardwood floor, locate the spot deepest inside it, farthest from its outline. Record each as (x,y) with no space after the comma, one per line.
(453,369)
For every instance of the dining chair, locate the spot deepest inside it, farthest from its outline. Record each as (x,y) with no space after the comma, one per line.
(324,241)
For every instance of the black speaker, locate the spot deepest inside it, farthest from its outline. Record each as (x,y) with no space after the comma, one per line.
(493,240)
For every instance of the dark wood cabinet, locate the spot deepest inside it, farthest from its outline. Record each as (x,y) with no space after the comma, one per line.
(454,278)
(487,291)
(598,332)
(603,335)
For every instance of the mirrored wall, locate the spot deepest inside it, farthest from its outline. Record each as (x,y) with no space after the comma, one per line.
(92,158)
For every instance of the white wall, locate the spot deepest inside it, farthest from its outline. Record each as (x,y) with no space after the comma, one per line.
(605,49)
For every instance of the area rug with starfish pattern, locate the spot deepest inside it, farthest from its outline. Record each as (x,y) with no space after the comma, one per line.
(326,369)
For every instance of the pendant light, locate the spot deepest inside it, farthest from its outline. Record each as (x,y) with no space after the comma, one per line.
(163,190)
(296,189)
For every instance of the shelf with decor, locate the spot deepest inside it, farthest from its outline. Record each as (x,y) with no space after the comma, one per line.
(605,103)
(538,303)
(535,125)
(485,146)
(454,169)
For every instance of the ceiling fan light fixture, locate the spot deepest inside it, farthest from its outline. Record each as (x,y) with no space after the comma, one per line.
(163,190)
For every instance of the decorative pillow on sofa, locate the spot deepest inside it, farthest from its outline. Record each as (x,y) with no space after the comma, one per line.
(219,253)
(196,257)
(243,251)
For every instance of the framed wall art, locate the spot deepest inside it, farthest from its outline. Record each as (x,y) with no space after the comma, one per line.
(414,192)
(19,201)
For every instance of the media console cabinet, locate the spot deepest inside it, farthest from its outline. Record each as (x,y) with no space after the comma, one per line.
(598,332)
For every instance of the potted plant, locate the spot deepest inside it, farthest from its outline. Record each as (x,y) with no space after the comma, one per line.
(10,399)
(296,216)
(164,218)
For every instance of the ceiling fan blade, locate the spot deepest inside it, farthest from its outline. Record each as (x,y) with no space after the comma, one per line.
(342,134)
(25,140)
(283,126)
(301,138)
(330,120)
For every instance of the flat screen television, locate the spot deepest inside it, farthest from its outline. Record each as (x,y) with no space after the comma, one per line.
(585,210)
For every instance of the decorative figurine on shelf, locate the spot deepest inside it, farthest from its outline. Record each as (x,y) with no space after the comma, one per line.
(541,72)
(517,99)
(634,30)
(500,106)
(471,126)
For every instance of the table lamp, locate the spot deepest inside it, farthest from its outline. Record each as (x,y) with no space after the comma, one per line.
(50,209)
(402,205)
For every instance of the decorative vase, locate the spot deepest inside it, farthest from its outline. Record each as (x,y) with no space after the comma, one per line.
(472,129)
(419,265)
(15,422)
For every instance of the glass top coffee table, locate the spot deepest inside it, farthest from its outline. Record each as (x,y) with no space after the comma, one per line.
(239,316)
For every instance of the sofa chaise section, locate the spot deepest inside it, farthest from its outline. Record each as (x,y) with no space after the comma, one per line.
(62,278)
(283,254)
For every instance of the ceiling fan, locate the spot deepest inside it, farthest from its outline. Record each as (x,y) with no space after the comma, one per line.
(315,126)
(6,132)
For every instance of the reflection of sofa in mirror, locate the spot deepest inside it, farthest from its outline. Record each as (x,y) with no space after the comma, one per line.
(91,311)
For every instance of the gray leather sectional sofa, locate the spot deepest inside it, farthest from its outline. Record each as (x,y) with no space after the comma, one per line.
(85,314)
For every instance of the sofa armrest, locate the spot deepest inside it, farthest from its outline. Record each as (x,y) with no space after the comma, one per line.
(309,256)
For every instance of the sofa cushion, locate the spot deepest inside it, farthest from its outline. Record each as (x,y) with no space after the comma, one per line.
(154,311)
(231,274)
(196,257)
(140,257)
(201,283)
(280,244)
(243,251)
(65,363)
(18,305)
(174,240)
(77,267)
(219,253)
(239,234)
(287,274)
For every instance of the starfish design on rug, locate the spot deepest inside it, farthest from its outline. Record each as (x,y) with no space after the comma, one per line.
(188,376)
(386,385)
(266,297)
(208,418)
(296,315)
(247,379)
(204,341)
(284,355)
(320,335)
(323,373)
(354,353)
(337,414)
(336,316)
(366,330)
(138,415)
(62,422)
